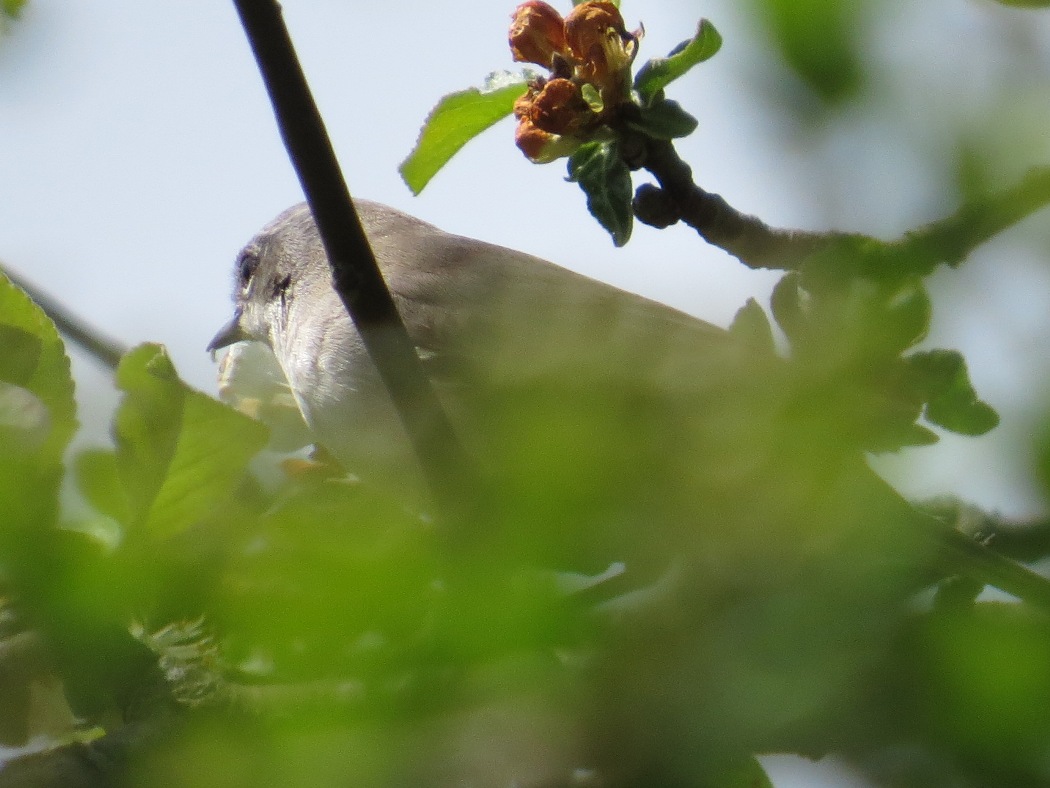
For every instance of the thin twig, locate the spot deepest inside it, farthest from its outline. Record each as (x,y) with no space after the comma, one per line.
(948,241)
(748,238)
(104,350)
(951,240)
(356,274)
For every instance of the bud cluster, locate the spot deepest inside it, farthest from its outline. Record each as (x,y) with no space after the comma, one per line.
(589,54)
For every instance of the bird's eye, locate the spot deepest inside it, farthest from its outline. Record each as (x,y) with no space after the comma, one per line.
(247,262)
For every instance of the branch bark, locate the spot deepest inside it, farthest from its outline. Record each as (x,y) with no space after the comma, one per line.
(355,272)
(748,238)
(948,241)
(104,350)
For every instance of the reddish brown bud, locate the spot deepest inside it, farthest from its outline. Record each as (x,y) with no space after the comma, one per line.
(598,41)
(523,105)
(541,147)
(537,33)
(560,108)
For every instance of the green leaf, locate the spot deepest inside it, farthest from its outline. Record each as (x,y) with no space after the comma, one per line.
(179,452)
(748,773)
(21,354)
(908,314)
(33,357)
(98,479)
(24,421)
(13,8)
(664,120)
(752,326)
(788,302)
(658,73)
(455,121)
(818,39)
(605,179)
(952,402)
(1025,3)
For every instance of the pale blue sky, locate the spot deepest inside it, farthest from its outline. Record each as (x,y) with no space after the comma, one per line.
(137,153)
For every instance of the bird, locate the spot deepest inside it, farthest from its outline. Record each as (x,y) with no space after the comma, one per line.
(768,567)
(468,306)
(582,402)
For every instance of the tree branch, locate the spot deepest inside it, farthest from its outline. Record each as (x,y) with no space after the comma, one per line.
(355,272)
(104,350)
(757,245)
(951,240)
(748,238)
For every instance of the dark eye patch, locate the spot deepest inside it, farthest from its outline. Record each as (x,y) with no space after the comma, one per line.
(280,285)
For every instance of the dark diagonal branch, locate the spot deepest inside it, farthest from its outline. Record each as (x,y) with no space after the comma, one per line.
(104,350)
(355,272)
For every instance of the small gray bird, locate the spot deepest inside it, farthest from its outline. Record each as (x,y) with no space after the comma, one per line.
(474,310)
(583,401)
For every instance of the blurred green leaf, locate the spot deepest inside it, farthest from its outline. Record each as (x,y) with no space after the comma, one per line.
(751,325)
(746,774)
(13,8)
(818,39)
(952,402)
(179,452)
(24,421)
(1025,3)
(455,121)
(788,304)
(664,120)
(21,354)
(33,357)
(605,179)
(98,479)
(907,315)
(658,73)
(987,691)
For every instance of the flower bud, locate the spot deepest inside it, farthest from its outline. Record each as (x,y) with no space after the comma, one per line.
(599,42)
(560,108)
(542,147)
(537,33)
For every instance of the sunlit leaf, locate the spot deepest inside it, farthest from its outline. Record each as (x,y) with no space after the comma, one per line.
(33,357)
(179,452)
(99,481)
(24,420)
(455,121)
(658,73)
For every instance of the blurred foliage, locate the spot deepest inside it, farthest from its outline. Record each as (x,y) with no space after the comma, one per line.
(12,8)
(819,40)
(679,557)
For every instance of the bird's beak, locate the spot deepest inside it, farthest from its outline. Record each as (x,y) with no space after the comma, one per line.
(229,334)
